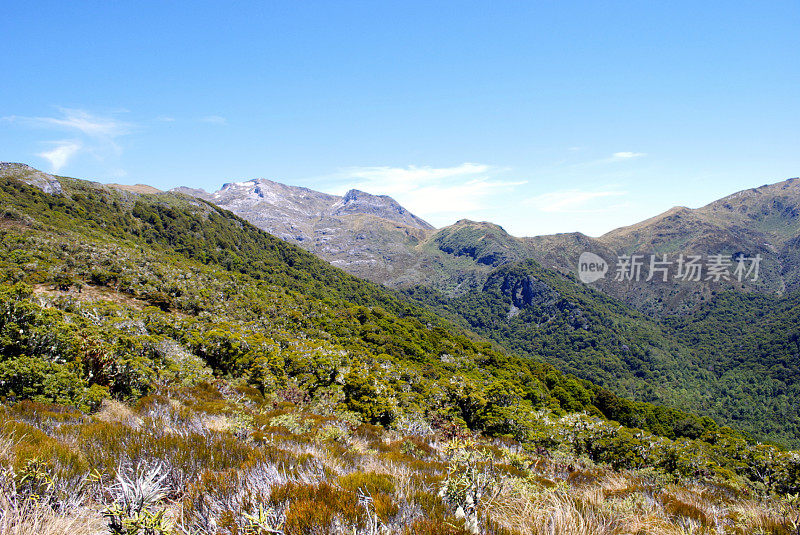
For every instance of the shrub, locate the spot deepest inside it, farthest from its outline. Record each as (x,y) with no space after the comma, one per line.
(370,482)
(314,508)
(32,443)
(40,380)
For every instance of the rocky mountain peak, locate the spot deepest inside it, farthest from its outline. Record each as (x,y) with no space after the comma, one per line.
(360,202)
(192,192)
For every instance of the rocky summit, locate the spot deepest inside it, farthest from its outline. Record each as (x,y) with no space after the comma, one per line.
(371,236)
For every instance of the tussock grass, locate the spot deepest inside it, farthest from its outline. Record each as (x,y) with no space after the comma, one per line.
(246,468)
(32,518)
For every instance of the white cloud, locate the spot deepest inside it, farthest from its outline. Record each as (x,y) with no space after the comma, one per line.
(627,155)
(615,158)
(575,201)
(90,133)
(214,119)
(61,153)
(414,175)
(81,121)
(425,190)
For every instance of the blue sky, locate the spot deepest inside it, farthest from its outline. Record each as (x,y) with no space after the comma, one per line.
(540,116)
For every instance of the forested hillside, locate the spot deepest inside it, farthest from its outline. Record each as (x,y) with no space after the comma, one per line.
(194,266)
(239,353)
(735,359)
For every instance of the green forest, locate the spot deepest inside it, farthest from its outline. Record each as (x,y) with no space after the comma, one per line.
(736,358)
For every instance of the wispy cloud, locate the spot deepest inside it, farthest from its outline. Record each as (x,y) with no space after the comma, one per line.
(81,121)
(59,155)
(89,133)
(428,190)
(626,155)
(576,201)
(615,158)
(214,119)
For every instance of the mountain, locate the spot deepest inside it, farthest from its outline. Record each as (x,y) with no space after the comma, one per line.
(295,213)
(28,175)
(375,238)
(523,293)
(763,222)
(164,276)
(487,281)
(370,236)
(736,357)
(107,292)
(154,343)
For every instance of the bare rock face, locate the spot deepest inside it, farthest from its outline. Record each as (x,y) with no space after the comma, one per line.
(370,236)
(360,202)
(292,212)
(33,177)
(192,192)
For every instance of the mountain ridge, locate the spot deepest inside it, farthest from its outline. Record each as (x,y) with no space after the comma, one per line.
(374,237)
(531,309)
(757,221)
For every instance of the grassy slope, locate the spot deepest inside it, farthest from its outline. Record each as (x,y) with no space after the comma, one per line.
(228,461)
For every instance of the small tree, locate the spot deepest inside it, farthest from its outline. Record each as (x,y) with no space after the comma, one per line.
(472,480)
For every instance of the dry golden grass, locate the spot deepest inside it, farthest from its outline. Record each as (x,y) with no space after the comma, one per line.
(32,518)
(620,503)
(385,481)
(116,411)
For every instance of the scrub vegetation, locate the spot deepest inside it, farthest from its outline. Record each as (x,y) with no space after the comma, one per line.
(165,367)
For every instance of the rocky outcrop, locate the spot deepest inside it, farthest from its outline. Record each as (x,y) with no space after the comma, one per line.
(33,177)
(527,291)
(359,202)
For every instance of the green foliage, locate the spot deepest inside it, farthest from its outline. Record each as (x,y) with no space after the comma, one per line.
(471,479)
(735,359)
(370,397)
(752,344)
(275,329)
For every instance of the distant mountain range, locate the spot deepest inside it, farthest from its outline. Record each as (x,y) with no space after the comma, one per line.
(374,237)
(732,351)
(723,348)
